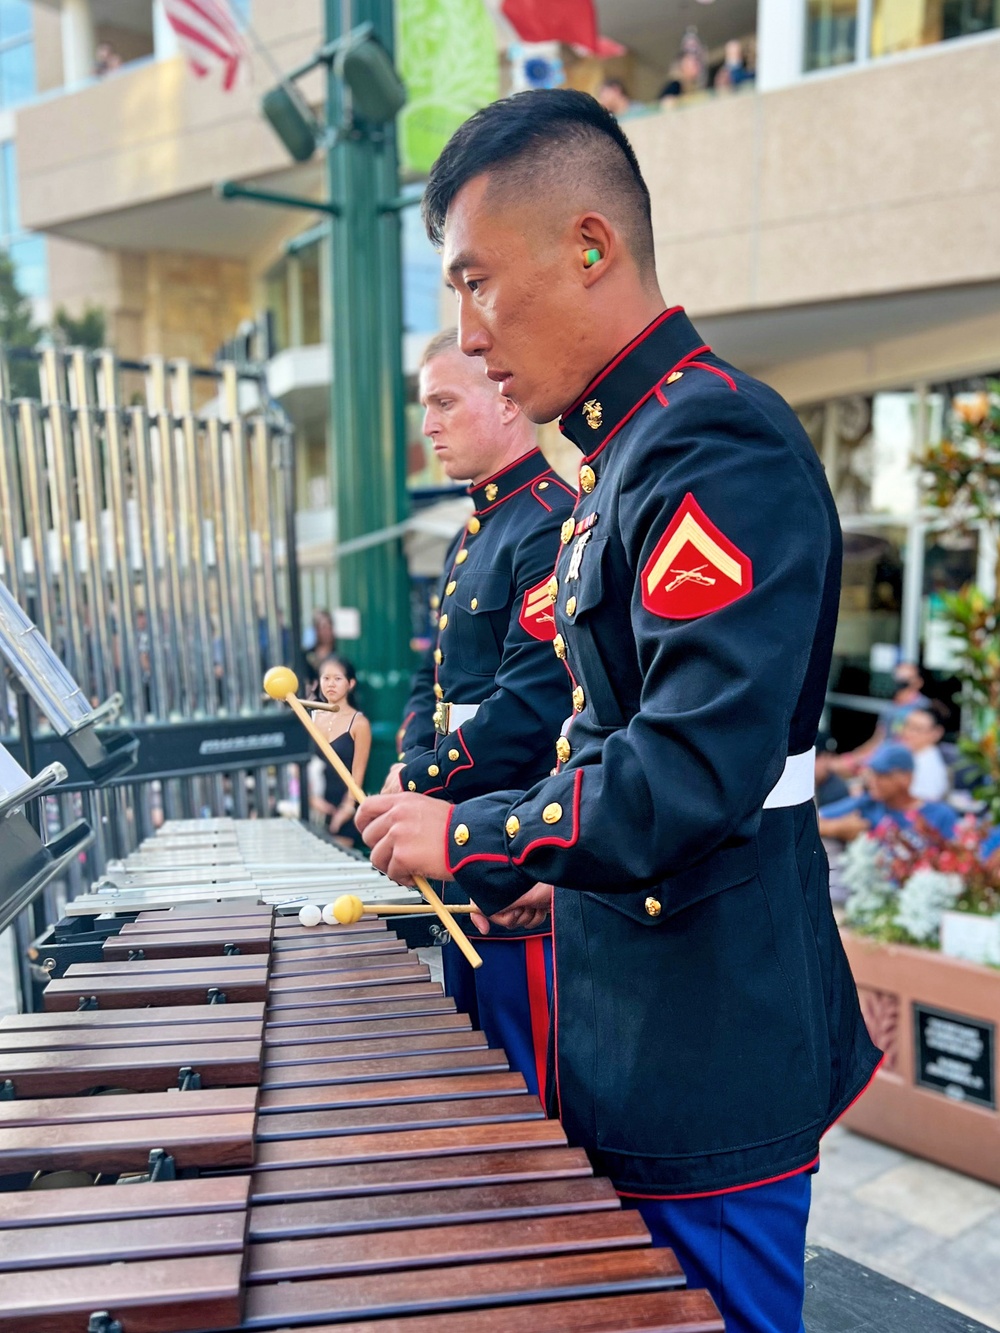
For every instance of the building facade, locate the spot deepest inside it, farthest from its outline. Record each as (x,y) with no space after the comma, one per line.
(829,224)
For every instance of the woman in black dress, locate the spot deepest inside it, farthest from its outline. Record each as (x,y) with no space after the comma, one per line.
(350,734)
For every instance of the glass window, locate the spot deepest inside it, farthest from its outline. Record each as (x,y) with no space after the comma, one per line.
(27,252)
(15,18)
(902,25)
(421,276)
(831,32)
(17,53)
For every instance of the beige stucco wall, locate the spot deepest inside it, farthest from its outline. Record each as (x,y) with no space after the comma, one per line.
(154,132)
(882,179)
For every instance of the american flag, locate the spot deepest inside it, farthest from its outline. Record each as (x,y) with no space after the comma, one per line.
(209,36)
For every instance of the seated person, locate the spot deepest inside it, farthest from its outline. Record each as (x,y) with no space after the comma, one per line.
(906,696)
(830,786)
(888,776)
(921,733)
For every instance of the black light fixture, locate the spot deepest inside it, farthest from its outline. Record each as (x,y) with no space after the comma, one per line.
(291,121)
(365,68)
(377,92)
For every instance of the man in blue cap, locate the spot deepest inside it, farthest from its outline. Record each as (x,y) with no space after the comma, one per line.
(888,776)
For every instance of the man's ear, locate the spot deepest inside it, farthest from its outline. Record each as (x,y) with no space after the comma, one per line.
(509,410)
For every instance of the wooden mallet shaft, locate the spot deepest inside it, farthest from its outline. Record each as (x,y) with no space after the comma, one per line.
(347,777)
(417,909)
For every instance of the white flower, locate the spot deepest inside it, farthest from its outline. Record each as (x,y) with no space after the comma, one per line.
(922,899)
(870,890)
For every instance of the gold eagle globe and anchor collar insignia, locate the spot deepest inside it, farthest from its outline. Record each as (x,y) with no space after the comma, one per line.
(640,371)
(593,413)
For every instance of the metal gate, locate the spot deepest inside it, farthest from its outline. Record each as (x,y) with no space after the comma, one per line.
(147,527)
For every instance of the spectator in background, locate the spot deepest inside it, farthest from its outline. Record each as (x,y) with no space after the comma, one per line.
(614,98)
(907,696)
(888,776)
(921,733)
(106,60)
(735,64)
(320,644)
(830,786)
(690,73)
(350,735)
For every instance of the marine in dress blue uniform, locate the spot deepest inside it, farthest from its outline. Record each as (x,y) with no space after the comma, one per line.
(706,1024)
(696,600)
(485,711)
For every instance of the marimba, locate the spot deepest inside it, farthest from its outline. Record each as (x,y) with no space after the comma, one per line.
(312,1137)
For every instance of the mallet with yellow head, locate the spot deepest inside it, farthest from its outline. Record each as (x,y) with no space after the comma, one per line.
(281,683)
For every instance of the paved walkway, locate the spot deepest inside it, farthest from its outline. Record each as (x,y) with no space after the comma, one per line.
(929,1228)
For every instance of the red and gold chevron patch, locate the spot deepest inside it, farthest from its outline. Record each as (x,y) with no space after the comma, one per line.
(537,618)
(695,568)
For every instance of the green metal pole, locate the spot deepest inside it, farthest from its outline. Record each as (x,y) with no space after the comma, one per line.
(368,427)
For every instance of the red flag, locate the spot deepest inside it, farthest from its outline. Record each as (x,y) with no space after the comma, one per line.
(571,21)
(208,35)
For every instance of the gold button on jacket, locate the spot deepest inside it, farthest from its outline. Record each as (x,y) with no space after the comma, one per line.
(559,646)
(512,826)
(474,525)
(462,556)
(653,907)
(571,606)
(578,699)
(433,770)
(588,479)
(563,749)
(453,755)
(461,834)
(566,531)
(552,813)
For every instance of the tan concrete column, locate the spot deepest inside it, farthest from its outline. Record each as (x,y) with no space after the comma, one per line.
(78,42)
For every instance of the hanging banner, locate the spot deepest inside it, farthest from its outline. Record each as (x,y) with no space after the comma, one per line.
(446,52)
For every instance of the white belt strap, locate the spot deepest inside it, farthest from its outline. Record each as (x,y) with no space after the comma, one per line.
(459,714)
(797,783)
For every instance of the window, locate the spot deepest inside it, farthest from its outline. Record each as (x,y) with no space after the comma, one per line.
(831,33)
(27,251)
(901,25)
(17,53)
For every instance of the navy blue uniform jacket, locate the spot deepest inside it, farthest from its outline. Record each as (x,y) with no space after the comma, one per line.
(707,1028)
(494,647)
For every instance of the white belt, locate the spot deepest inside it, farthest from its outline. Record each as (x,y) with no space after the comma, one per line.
(797,783)
(449,717)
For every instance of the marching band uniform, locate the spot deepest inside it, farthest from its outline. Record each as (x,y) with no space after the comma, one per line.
(485,709)
(706,1024)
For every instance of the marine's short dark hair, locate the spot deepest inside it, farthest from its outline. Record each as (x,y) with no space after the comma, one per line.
(519,138)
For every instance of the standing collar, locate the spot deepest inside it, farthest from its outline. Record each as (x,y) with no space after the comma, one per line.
(629,379)
(493,490)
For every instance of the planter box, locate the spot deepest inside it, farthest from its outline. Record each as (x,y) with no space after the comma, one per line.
(936,1018)
(974,938)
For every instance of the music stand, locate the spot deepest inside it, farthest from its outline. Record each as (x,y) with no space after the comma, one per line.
(61,700)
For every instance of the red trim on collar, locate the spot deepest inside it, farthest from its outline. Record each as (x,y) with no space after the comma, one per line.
(684,361)
(641,337)
(501,499)
(554,841)
(478,486)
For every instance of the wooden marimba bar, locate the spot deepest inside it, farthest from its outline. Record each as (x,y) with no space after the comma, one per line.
(346,1153)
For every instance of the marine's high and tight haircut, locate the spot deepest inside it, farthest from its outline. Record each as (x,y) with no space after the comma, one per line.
(556,139)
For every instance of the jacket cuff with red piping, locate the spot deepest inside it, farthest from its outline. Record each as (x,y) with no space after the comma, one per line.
(430,771)
(489,840)
(476,851)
